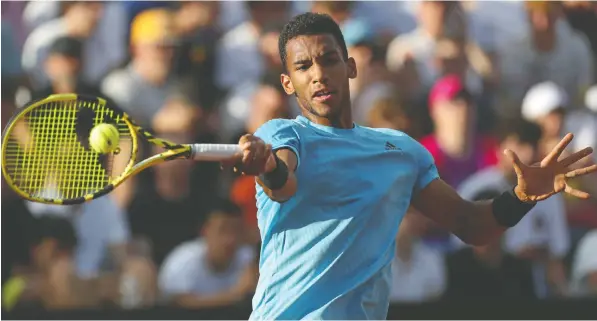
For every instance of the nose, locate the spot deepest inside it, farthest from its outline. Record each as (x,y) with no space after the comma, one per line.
(318,74)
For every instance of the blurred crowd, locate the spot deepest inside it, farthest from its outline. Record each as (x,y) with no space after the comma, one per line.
(465,78)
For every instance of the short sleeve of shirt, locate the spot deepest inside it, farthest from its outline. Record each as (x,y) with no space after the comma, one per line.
(427,171)
(280,133)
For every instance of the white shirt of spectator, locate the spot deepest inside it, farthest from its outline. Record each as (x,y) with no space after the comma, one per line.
(421,279)
(569,65)
(545,226)
(186,271)
(585,263)
(98,225)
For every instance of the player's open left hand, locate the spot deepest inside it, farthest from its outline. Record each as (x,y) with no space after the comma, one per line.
(256,156)
(542,180)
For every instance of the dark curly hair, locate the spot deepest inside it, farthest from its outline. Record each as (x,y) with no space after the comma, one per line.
(310,24)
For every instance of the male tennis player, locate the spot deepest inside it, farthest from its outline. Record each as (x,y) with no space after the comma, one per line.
(331,194)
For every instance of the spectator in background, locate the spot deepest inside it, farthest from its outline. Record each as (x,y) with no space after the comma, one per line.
(551,51)
(418,272)
(170,187)
(373,83)
(53,282)
(214,270)
(240,59)
(582,16)
(584,267)
(63,68)
(195,24)
(237,105)
(437,20)
(142,86)
(542,235)
(396,114)
(484,272)
(546,104)
(79,19)
(455,145)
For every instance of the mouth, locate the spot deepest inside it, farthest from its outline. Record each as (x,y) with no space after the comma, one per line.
(323,95)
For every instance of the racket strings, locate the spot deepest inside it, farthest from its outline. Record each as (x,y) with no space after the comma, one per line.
(50,156)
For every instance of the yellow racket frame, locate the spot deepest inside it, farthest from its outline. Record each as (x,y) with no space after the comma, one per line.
(173,151)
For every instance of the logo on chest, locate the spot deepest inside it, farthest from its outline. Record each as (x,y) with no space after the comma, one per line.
(390,146)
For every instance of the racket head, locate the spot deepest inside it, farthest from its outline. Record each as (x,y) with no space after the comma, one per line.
(46,157)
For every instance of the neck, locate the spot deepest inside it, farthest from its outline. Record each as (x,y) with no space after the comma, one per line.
(343,120)
(64,86)
(544,41)
(148,73)
(456,146)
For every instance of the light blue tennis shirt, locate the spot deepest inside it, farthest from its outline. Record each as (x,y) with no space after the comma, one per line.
(327,252)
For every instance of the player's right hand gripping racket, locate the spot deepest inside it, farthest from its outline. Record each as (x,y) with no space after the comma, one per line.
(47,157)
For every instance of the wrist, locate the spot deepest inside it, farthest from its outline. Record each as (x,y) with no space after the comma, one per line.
(277,177)
(508,209)
(521,196)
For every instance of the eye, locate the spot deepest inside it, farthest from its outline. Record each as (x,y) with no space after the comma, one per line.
(302,67)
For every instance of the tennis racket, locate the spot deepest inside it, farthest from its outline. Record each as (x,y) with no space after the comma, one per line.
(47,157)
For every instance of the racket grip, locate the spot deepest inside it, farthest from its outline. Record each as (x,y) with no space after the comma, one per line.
(213,152)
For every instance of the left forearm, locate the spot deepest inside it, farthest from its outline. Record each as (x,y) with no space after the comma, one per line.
(475,223)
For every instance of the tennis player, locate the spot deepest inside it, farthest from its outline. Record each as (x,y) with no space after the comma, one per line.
(331,194)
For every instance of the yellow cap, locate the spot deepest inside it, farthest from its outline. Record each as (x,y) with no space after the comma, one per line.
(155,26)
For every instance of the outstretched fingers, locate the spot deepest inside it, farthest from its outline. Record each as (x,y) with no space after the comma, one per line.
(516,163)
(582,171)
(557,151)
(576,156)
(576,193)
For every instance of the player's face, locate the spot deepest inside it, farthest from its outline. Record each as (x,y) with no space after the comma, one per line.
(318,75)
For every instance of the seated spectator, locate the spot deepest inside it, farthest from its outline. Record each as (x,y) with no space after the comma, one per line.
(53,281)
(195,25)
(486,272)
(63,68)
(141,87)
(584,267)
(546,104)
(418,272)
(214,270)
(583,124)
(94,23)
(396,114)
(437,20)
(550,51)
(542,235)
(239,59)
(182,188)
(457,150)
(373,82)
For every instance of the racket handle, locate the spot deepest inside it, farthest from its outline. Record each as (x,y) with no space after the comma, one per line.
(213,152)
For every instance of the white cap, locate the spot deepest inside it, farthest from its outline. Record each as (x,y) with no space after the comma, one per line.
(591,98)
(542,99)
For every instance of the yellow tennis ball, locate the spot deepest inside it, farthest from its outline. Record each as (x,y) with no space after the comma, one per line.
(104,138)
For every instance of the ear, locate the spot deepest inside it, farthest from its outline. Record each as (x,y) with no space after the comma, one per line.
(287,84)
(352,68)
